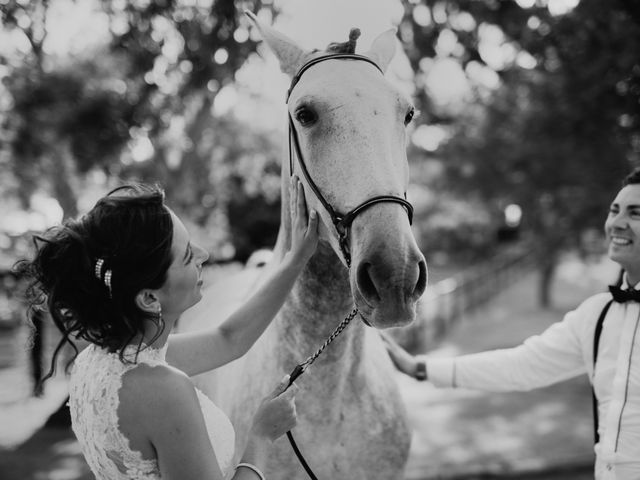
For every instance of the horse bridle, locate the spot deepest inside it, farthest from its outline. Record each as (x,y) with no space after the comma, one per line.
(341,222)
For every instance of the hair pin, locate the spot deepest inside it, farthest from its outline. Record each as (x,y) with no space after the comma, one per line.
(98,268)
(107,275)
(107,281)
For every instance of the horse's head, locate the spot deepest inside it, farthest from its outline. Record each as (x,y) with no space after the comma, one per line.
(348,131)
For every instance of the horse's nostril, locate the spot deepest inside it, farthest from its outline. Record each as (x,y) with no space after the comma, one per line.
(421,284)
(366,284)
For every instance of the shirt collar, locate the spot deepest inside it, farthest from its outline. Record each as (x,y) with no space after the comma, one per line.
(625,283)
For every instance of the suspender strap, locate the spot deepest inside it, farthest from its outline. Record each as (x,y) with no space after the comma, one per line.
(596,342)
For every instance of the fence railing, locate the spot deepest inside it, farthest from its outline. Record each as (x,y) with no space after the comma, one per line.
(446,301)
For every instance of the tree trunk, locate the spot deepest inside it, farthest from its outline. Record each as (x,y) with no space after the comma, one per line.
(64,179)
(547,270)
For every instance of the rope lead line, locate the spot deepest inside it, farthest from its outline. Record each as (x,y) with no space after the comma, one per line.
(300,369)
(301,458)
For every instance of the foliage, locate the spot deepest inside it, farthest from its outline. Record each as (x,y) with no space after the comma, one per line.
(553,132)
(456,231)
(151,84)
(238,179)
(559,131)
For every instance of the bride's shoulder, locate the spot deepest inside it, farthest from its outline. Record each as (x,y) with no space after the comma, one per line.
(150,397)
(153,383)
(159,400)
(152,392)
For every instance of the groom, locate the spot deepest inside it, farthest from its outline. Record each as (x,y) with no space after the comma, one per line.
(600,338)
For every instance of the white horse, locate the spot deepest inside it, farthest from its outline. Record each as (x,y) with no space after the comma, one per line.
(350,125)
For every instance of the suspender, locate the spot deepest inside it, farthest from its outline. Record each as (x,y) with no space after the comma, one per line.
(596,342)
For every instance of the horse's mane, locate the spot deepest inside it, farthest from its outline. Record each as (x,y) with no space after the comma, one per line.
(345,47)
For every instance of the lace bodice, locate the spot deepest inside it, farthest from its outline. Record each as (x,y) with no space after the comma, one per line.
(94,388)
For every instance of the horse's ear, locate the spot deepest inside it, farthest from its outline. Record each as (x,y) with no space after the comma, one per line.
(290,55)
(383,48)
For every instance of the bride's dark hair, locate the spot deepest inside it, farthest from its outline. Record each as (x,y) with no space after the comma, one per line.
(131,230)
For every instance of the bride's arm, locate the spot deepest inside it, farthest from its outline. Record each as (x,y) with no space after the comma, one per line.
(175,427)
(200,351)
(197,352)
(170,415)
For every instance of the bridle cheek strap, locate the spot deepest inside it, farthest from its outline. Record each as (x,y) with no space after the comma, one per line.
(342,223)
(293,138)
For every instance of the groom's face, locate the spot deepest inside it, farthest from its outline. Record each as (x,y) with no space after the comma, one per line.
(622,228)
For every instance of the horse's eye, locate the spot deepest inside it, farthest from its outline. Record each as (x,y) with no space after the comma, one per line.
(409,116)
(306,116)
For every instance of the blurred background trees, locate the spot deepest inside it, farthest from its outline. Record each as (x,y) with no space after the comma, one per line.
(136,105)
(529,117)
(551,121)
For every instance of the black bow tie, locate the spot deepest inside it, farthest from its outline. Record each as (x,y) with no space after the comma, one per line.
(621,296)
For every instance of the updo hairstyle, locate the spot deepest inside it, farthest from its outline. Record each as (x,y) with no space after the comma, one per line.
(131,230)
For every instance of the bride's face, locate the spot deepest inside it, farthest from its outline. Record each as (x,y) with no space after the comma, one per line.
(184,277)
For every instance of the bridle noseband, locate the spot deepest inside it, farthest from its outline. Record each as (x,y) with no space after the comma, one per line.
(341,222)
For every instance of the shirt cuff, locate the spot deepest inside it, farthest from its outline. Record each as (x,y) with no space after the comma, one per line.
(441,372)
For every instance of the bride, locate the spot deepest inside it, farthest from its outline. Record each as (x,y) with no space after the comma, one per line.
(120,277)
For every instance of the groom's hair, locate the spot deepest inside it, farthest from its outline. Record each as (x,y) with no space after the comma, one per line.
(632,179)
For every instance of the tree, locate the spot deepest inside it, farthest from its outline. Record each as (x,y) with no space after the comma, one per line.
(560,129)
(165,61)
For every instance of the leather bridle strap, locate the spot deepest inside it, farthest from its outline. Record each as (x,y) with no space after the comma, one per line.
(333,56)
(293,134)
(349,217)
(341,222)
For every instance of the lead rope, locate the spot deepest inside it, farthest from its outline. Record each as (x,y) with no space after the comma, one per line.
(300,369)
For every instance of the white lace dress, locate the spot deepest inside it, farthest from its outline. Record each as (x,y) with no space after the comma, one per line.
(94,388)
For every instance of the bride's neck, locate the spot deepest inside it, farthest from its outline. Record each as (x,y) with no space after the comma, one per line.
(156,335)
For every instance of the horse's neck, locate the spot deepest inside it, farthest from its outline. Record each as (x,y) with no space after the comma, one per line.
(319,300)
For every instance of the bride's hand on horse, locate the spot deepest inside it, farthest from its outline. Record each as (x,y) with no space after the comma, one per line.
(403,360)
(276,414)
(304,228)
